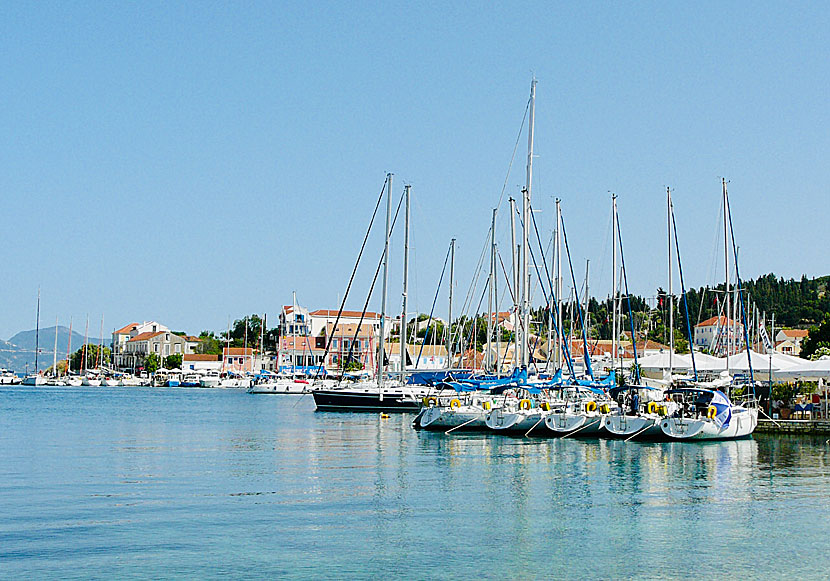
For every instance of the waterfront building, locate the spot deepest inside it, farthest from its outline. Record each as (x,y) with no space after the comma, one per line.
(714,333)
(788,341)
(321,319)
(431,356)
(161,343)
(238,359)
(199,362)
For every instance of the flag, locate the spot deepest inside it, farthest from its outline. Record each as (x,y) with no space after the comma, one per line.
(765,337)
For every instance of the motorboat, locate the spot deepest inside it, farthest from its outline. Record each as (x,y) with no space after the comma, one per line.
(7,377)
(210,379)
(191,380)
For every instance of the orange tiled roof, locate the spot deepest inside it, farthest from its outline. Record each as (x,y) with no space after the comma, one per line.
(145,336)
(238,350)
(795,332)
(349,314)
(720,321)
(199,357)
(126,330)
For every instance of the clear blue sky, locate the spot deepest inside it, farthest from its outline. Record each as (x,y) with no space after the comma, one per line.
(185,162)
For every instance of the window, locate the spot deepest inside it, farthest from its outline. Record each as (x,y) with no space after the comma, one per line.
(156,347)
(177,348)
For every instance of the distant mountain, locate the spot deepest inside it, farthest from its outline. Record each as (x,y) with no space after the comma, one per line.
(18,353)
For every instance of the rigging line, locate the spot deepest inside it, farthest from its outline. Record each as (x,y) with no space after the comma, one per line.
(372,289)
(628,297)
(740,294)
(683,289)
(578,305)
(432,310)
(351,279)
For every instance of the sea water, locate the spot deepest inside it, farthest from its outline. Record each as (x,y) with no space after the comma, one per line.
(208,483)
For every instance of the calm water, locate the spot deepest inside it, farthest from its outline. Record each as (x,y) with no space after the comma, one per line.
(127,482)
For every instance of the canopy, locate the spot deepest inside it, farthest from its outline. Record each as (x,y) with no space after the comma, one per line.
(808,370)
(760,362)
(705,362)
(661,361)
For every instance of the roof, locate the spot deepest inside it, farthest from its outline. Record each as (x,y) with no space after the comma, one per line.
(192,338)
(299,343)
(347,314)
(145,336)
(414,349)
(713,321)
(199,357)
(348,330)
(126,329)
(795,332)
(237,351)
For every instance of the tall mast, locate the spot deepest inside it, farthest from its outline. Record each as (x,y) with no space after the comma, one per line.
(449,314)
(671,290)
(614,348)
(559,283)
(85,351)
(55,351)
(587,300)
(101,345)
(488,361)
(526,226)
(515,260)
(405,288)
(727,325)
(385,283)
(37,330)
(69,347)
(294,332)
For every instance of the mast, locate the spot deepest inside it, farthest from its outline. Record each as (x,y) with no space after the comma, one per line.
(614,348)
(671,290)
(294,333)
(69,347)
(55,351)
(488,362)
(526,227)
(37,330)
(515,260)
(559,284)
(449,314)
(84,353)
(587,300)
(101,345)
(727,325)
(404,350)
(385,283)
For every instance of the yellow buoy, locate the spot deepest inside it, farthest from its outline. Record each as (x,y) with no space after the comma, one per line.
(384,416)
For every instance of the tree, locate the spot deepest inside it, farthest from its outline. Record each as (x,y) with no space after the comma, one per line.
(152,363)
(173,361)
(210,344)
(818,337)
(87,357)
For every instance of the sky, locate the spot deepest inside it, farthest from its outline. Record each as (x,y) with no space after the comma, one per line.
(193,162)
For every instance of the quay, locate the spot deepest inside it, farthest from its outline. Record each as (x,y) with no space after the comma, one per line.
(793,426)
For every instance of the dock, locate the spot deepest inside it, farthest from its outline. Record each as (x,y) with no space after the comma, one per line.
(793,426)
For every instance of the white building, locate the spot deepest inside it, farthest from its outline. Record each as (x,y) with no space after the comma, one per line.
(201,363)
(713,334)
(789,340)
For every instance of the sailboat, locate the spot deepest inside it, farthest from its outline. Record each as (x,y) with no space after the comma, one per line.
(36,378)
(709,413)
(377,395)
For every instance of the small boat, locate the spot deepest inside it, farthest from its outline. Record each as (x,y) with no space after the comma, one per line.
(584,412)
(191,380)
(454,413)
(34,379)
(210,379)
(7,377)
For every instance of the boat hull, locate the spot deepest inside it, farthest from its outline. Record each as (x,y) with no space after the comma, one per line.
(349,400)
(741,425)
(514,421)
(445,418)
(636,427)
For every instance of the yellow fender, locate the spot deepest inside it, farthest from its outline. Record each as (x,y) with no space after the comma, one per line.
(662,410)
(525,404)
(605,408)
(430,401)
(454,404)
(591,406)
(711,412)
(486,405)
(652,407)
(546,406)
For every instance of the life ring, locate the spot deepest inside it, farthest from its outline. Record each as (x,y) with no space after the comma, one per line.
(430,401)
(486,405)
(605,408)
(652,407)
(545,406)
(711,412)
(591,406)
(525,404)
(454,404)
